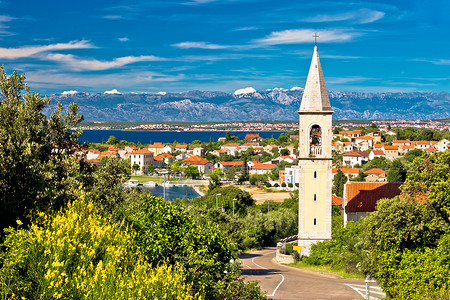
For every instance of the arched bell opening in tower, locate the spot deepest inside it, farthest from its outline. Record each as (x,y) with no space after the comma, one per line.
(315,140)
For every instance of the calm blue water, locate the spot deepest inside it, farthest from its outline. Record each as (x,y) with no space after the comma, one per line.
(172,193)
(150,137)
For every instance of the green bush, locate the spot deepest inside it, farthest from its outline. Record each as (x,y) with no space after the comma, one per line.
(268,185)
(78,254)
(283,184)
(275,185)
(290,184)
(289,248)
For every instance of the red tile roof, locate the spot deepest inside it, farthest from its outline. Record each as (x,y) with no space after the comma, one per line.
(378,152)
(363,196)
(337,201)
(142,151)
(231,163)
(375,171)
(263,166)
(251,136)
(164,155)
(346,170)
(196,160)
(390,147)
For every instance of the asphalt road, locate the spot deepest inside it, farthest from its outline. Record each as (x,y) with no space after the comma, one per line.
(282,282)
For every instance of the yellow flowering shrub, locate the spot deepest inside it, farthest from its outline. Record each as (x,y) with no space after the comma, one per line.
(79,254)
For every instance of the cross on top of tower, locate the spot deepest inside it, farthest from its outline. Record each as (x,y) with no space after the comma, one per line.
(315,36)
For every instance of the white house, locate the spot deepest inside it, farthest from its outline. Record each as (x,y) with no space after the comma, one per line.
(353,158)
(442,145)
(142,158)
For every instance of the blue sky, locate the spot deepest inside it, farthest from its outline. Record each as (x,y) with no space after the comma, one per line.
(225,45)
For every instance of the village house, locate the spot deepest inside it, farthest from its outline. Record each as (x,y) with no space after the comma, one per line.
(391,152)
(360,198)
(202,164)
(349,172)
(231,148)
(181,147)
(260,168)
(364,143)
(291,175)
(142,158)
(253,137)
(378,146)
(351,135)
(375,174)
(422,145)
(226,165)
(354,158)
(156,148)
(344,146)
(166,158)
(376,153)
(376,136)
(442,145)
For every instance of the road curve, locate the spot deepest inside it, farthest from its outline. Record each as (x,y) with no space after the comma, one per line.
(282,282)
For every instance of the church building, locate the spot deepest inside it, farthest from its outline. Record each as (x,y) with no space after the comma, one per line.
(315,160)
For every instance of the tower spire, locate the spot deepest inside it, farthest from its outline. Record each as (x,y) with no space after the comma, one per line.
(315,36)
(315,96)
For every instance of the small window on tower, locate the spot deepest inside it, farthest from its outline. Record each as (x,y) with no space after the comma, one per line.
(315,222)
(315,175)
(315,197)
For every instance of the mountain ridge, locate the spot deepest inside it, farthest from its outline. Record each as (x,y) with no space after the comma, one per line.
(272,105)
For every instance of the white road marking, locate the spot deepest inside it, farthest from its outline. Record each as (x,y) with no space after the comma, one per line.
(361,289)
(282,277)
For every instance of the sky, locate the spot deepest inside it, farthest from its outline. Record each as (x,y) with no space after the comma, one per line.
(225,45)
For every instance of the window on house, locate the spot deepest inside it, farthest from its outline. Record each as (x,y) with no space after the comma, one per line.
(315,197)
(315,174)
(314,221)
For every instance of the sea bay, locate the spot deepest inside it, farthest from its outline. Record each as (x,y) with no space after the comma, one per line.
(149,137)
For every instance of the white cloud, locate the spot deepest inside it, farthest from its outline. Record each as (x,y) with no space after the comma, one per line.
(360,16)
(298,36)
(434,61)
(27,51)
(113,92)
(3,27)
(247,90)
(246,28)
(50,80)
(79,64)
(199,45)
(72,92)
(123,39)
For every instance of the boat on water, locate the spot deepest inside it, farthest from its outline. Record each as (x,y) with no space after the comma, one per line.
(167,184)
(149,184)
(131,183)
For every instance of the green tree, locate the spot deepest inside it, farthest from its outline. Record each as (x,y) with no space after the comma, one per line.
(135,167)
(36,167)
(337,129)
(150,168)
(396,172)
(192,171)
(339,182)
(112,141)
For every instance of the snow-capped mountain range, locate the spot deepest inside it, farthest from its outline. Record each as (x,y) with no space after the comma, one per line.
(249,104)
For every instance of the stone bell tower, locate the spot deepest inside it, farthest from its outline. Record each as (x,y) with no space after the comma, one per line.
(315,178)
